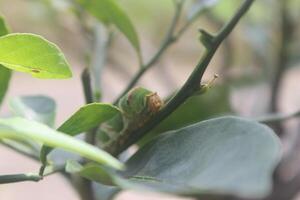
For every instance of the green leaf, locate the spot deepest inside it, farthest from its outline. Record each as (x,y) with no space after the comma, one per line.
(108,11)
(98,174)
(86,118)
(195,109)
(5,74)
(90,171)
(34,55)
(223,156)
(20,129)
(38,108)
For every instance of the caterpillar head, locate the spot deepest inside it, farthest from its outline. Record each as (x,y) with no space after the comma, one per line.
(140,100)
(154,102)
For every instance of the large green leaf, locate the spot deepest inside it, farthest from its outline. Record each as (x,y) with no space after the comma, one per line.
(223,156)
(108,11)
(38,108)
(20,129)
(5,74)
(34,55)
(86,118)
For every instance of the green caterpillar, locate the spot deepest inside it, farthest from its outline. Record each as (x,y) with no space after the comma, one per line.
(137,106)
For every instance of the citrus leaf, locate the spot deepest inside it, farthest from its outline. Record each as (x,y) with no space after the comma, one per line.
(34,55)
(222,156)
(108,11)
(229,155)
(90,171)
(97,174)
(38,108)
(19,129)
(86,118)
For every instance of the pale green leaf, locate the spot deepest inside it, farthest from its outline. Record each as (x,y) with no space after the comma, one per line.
(19,129)
(99,175)
(86,118)
(38,108)
(90,171)
(34,55)
(229,156)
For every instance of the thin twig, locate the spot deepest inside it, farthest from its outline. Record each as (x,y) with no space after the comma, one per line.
(190,86)
(14,178)
(84,186)
(87,87)
(278,117)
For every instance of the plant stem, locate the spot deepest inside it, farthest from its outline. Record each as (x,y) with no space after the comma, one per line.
(87,87)
(273,118)
(89,98)
(84,186)
(169,39)
(190,86)
(227,49)
(14,178)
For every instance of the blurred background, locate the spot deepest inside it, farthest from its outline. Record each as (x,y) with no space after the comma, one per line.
(258,67)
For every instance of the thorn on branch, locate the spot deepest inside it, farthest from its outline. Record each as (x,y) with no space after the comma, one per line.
(206,39)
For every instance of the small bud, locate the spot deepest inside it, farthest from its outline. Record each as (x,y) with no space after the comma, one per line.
(205,87)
